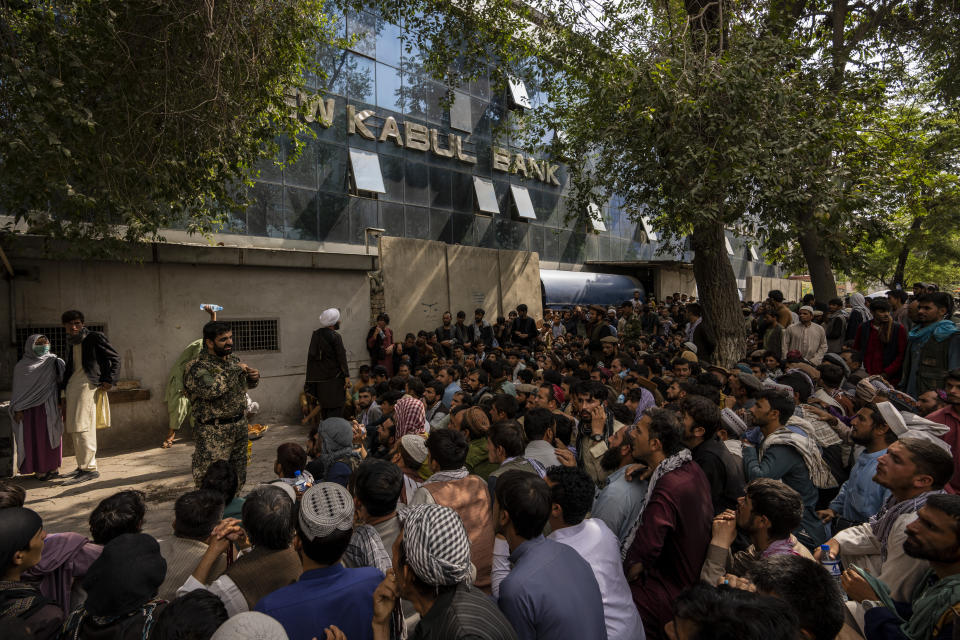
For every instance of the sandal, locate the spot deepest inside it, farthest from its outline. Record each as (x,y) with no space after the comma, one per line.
(167,443)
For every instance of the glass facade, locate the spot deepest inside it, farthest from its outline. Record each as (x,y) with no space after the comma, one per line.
(425,196)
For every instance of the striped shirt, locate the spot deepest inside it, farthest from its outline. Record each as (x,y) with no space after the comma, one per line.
(464,612)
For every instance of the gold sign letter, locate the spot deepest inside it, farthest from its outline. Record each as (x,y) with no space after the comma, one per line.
(461,156)
(435,144)
(391,131)
(417,136)
(325,112)
(534,167)
(355,122)
(501,159)
(519,165)
(551,174)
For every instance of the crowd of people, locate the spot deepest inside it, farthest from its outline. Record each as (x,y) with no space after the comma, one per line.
(594,473)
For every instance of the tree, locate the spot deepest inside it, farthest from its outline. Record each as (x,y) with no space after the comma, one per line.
(123,117)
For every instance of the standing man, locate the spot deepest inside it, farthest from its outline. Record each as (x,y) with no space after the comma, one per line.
(480,330)
(92,368)
(328,377)
(933,345)
(806,337)
(217,384)
(445,335)
(524,332)
(775,301)
(882,342)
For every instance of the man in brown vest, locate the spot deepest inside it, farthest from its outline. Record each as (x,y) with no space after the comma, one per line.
(451,485)
(269,564)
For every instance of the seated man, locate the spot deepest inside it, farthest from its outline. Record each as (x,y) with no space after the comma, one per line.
(766,514)
(551,591)
(451,485)
(327,594)
(195,514)
(621,500)
(505,447)
(791,457)
(431,557)
(932,610)
(669,540)
(913,469)
(704,611)
(377,488)
(271,563)
(571,490)
(700,420)
(860,497)
(807,588)
(539,430)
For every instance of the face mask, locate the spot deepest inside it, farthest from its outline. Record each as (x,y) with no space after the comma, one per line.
(623,374)
(41,349)
(621,398)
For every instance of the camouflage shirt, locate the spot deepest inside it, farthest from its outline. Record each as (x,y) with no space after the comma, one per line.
(216,387)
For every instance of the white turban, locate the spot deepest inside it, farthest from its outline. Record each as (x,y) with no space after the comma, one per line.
(329,318)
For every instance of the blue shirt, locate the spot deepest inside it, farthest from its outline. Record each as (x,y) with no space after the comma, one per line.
(451,389)
(860,497)
(620,502)
(551,592)
(322,597)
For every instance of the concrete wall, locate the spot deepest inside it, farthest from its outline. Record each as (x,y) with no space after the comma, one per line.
(151,312)
(422,279)
(670,280)
(757,288)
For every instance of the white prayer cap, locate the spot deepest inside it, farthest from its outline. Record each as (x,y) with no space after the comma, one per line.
(250,625)
(732,422)
(690,346)
(329,318)
(910,425)
(806,307)
(893,418)
(324,509)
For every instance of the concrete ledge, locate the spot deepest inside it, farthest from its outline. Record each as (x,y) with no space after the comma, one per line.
(122,396)
(42,248)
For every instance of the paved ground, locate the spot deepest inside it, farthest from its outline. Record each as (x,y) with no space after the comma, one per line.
(162,474)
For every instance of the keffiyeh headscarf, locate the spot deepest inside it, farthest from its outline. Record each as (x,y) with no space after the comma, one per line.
(436,545)
(408,416)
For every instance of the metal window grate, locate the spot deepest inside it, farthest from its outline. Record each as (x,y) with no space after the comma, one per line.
(255,335)
(55,334)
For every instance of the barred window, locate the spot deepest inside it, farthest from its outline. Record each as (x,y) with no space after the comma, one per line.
(56,334)
(255,335)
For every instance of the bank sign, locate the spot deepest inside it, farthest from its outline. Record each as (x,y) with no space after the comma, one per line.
(418,137)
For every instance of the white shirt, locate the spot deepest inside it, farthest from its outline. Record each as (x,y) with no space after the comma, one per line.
(543,452)
(224,588)
(596,544)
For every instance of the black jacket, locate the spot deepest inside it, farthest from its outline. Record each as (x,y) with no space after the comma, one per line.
(723,471)
(525,326)
(101,362)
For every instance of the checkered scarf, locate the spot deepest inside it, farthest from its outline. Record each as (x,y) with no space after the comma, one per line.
(408,416)
(437,546)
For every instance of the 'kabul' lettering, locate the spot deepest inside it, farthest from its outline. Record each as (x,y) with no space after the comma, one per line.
(419,138)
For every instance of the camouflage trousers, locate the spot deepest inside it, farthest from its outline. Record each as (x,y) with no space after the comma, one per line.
(220,442)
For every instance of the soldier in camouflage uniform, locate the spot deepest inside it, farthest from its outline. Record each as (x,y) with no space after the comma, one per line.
(217,384)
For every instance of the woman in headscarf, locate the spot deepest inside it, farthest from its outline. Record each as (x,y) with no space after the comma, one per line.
(37,424)
(336,459)
(328,377)
(21,546)
(859,313)
(121,591)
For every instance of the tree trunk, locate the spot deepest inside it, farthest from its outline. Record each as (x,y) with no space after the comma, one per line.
(717,288)
(899,273)
(818,265)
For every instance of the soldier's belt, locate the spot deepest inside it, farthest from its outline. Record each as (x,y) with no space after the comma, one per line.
(218,421)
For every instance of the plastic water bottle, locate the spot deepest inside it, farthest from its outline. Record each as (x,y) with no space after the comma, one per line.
(213,307)
(299,483)
(832,565)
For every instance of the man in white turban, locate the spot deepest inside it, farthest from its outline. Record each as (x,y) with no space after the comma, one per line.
(328,377)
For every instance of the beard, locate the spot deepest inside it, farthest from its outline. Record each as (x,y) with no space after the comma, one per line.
(222,351)
(611,459)
(915,550)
